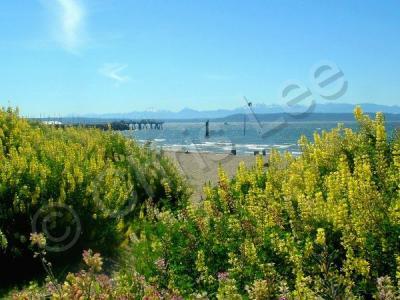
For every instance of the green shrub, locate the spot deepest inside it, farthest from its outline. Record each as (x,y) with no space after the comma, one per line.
(81,187)
(321,225)
(324,225)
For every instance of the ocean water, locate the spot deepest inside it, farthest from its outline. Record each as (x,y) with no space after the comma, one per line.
(183,136)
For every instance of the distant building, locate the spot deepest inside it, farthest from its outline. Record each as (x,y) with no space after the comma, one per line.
(52,122)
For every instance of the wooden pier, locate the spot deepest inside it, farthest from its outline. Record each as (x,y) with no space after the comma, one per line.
(145,124)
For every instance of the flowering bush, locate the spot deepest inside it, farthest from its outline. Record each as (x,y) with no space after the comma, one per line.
(84,182)
(322,225)
(89,283)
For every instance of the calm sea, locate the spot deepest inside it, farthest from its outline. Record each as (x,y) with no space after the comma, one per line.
(224,137)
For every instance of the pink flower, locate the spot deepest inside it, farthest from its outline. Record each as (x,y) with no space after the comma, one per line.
(104,281)
(161,264)
(222,276)
(92,260)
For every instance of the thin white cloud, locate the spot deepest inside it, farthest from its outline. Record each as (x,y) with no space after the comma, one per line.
(68,20)
(113,71)
(73,14)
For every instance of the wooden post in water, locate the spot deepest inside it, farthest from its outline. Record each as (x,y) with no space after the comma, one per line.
(244,124)
(207,129)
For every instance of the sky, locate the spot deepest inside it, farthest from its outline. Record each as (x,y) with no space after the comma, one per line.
(63,57)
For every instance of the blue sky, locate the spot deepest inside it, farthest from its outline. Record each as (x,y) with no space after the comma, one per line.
(80,56)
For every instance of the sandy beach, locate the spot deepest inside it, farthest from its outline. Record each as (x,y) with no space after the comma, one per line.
(200,168)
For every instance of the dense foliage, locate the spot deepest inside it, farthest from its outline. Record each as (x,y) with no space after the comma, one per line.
(324,225)
(74,181)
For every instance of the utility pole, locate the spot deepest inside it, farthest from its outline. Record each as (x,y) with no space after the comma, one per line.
(249,104)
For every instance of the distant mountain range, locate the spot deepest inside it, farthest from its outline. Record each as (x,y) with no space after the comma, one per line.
(293,118)
(187,113)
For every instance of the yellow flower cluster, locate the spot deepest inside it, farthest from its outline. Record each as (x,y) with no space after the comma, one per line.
(328,218)
(98,180)
(322,225)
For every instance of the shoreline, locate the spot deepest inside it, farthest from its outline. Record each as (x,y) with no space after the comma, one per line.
(201,168)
